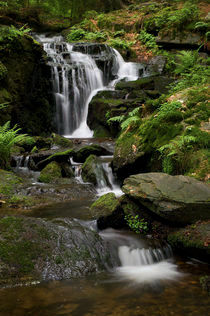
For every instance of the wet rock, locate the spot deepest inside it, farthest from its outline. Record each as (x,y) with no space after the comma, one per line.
(82,154)
(41,250)
(60,157)
(105,205)
(51,173)
(193,240)
(179,40)
(177,199)
(61,141)
(93,172)
(113,215)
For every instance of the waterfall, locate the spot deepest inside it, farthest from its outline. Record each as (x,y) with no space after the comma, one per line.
(140,260)
(79,71)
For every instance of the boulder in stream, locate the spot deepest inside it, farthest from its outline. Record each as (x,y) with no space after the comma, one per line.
(82,154)
(193,240)
(33,249)
(177,199)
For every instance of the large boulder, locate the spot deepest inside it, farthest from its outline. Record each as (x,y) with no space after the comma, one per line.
(105,205)
(27,86)
(177,199)
(51,173)
(34,249)
(193,240)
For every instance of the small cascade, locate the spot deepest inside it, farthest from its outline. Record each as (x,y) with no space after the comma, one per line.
(107,182)
(139,260)
(21,167)
(79,71)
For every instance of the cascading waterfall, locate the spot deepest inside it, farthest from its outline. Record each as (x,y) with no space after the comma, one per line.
(77,76)
(140,262)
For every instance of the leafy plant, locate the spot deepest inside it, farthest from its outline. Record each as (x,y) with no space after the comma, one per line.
(76,34)
(148,39)
(176,154)
(8,34)
(125,121)
(137,224)
(120,44)
(8,137)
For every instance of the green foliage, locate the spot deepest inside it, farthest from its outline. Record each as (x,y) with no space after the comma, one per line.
(76,35)
(148,40)
(96,36)
(172,18)
(137,224)
(9,34)
(125,121)
(120,44)
(191,70)
(177,153)
(8,137)
(3,71)
(90,14)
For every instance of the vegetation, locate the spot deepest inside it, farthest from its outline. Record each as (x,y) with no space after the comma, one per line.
(9,137)
(137,224)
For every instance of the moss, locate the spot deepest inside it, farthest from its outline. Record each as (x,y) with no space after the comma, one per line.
(88,169)
(193,239)
(62,141)
(17,200)
(50,173)
(143,83)
(8,183)
(105,205)
(18,250)
(205,283)
(82,154)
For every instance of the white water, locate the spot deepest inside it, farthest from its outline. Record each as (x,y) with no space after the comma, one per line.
(139,262)
(76,79)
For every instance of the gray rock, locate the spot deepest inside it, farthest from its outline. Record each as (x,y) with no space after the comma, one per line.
(177,199)
(42,250)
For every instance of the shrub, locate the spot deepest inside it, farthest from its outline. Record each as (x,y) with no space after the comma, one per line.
(148,40)
(75,35)
(8,34)
(120,44)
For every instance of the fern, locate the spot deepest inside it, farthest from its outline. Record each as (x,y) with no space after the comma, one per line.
(118,119)
(9,137)
(129,121)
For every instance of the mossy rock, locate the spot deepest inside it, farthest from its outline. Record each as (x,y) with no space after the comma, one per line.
(143,83)
(51,173)
(32,249)
(60,157)
(88,170)
(43,142)
(175,199)
(9,183)
(82,154)
(205,283)
(105,205)
(192,240)
(62,141)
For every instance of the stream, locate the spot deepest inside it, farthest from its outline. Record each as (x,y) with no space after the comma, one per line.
(145,278)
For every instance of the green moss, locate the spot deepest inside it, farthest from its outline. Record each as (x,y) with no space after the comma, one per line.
(18,251)
(105,205)
(192,239)
(88,169)
(62,141)
(21,200)
(50,173)
(8,183)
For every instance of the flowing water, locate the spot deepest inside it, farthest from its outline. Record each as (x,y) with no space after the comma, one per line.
(146,279)
(79,71)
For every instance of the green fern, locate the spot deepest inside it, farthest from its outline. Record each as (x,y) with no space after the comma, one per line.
(9,137)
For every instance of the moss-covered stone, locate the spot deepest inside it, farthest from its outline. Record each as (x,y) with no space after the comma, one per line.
(60,157)
(33,249)
(176,199)
(205,283)
(8,183)
(192,240)
(105,205)
(62,141)
(3,71)
(88,170)
(51,173)
(82,154)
